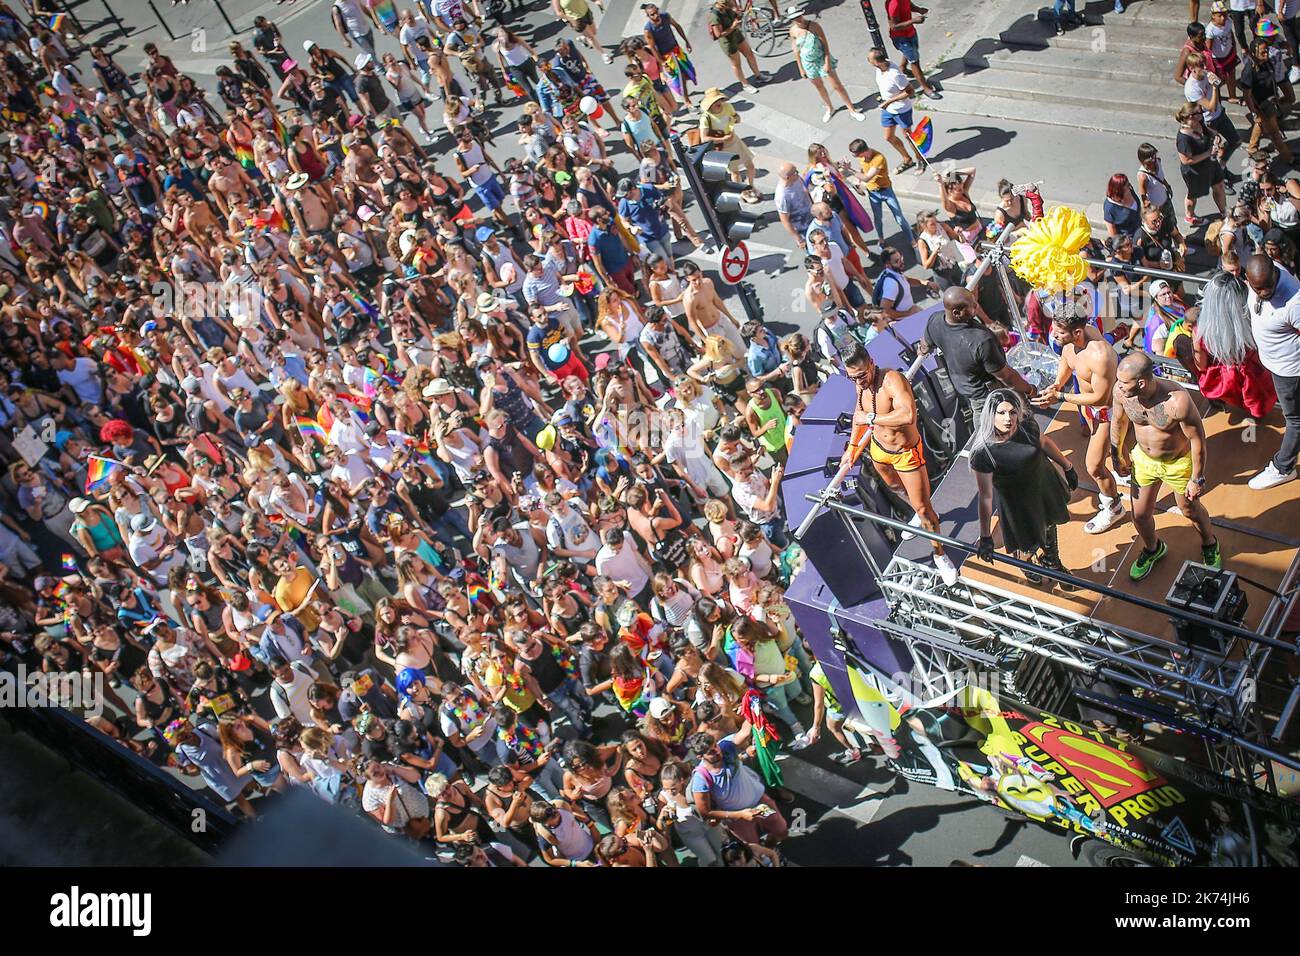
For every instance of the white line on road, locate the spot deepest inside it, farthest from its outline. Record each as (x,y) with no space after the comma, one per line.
(1029,861)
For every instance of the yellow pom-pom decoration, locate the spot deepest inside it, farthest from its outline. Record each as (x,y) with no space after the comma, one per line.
(1047,254)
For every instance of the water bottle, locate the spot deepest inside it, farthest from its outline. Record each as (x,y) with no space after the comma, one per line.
(1166,259)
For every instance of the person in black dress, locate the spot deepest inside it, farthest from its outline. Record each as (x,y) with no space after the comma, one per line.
(1030,479)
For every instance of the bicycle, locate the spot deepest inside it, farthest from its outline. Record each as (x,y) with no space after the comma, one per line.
(762,27)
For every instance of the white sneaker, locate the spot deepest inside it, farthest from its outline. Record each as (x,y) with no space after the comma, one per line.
(915,523)
(749,88)
(1270,477)
(826,117)
(1294,75)
(947,570)
(1105,519)
(858,115)
(800,742)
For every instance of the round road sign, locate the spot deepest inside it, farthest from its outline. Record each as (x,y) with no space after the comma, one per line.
(735,263)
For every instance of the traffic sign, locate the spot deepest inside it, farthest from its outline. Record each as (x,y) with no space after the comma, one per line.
(735,263)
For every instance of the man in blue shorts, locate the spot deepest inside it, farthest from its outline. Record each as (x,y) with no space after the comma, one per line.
(895,104)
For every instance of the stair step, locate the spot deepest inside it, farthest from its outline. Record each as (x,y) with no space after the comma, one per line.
(981,101)
(1102,96)
(1151,72)
(1097,39)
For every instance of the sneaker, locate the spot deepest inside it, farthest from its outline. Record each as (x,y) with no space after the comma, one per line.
(749,88)
(1294,75)
(1270,477)
(1060,30)
(934,94)
(826,117)
(1210,555)
(915,523)
(608,58)
(761,78)
(1195,221)
(858,115)
(947,570)
(800,742)
(1105,519)
(1145,561)
(847,757)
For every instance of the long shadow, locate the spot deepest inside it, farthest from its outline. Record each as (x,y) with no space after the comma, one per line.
(986,138)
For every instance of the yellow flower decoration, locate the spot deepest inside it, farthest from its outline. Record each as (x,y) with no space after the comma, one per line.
(1047,254)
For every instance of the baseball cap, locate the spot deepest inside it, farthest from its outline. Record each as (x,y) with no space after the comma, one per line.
(660,708)
(1160,285)
(78,505)
(121,159)
(484,233)
(307,45)
(363,60)
(624,185)
(365,213)
(602,361)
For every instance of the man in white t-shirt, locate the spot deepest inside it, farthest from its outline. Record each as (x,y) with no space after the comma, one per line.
(1274,309)
(759,499)
(895,104)
(567,532)
(152,548)
(82,376)
(620,560)
(685,449)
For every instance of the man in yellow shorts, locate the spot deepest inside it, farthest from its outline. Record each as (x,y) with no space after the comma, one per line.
(886,409)
(1168,449)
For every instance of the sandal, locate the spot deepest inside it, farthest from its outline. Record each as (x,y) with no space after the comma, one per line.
(904,167)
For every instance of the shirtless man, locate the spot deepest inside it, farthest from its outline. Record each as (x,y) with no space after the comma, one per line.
(1169,447)
(230,183)
(1088,358)
(885,411)
(705,308)
(310,205)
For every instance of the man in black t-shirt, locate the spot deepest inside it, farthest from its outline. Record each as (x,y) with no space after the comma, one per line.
(972,355)
(1258,82)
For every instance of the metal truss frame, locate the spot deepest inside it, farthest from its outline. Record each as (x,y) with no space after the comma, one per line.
(977,626)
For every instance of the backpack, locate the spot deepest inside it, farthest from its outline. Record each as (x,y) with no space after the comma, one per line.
(838,344)
(877,291)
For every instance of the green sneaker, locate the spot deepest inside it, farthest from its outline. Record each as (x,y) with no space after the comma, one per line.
(1210,555)
(1145,561)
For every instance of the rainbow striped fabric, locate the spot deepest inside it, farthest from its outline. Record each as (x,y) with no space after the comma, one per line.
(98,470)
(922,135)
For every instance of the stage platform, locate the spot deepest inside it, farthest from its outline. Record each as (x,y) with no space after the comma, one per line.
(1258,532)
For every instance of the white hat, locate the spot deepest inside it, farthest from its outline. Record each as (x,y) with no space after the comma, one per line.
(660,708)
(307,45)
(1160,285)
(363,60)
(296,181)
(78,505)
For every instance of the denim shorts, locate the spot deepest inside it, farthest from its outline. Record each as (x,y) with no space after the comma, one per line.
(491,193)
(908,47)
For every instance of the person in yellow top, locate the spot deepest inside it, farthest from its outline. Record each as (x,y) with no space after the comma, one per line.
(294,592)
(577,14)
(873,179)
(718,121)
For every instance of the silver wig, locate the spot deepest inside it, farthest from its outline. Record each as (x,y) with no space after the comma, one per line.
(985,432)
(1224,327)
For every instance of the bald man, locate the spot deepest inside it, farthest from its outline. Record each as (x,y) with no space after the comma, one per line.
(1273,306)
(793,203)
(972,354)
(1168,448)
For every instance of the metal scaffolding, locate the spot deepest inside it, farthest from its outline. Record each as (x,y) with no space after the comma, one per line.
(977,626)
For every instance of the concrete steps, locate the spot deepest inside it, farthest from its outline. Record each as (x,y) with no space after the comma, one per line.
(1047,91)
(1153,72)
(985,100)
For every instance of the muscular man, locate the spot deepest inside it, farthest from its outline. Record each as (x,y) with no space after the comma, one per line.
(230,183)
(705,309)
(1169,447)
(1088,358)
(309,204)
(885,411)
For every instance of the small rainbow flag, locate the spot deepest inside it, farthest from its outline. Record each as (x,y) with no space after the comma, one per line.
(98,470)
(57,21)
(923,135)
(367,308)
(42,208)
(61,589)
(369,381)
(308,427)
(68,562)
(476,591)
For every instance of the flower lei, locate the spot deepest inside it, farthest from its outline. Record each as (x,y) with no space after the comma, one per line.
(524,739)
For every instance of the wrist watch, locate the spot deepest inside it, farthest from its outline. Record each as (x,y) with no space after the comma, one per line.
(870,418)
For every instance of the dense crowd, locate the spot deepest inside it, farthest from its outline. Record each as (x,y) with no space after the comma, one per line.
(432,480)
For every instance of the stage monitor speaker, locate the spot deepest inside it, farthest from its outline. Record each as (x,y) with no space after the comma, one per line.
(835,554)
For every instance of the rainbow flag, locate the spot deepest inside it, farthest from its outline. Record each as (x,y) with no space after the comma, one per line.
(308,427)
(98,470)
(61,589)
(57,21)
(923,135)
(425,452)
(367,308)
(476,590)
(68,562)
(369,381)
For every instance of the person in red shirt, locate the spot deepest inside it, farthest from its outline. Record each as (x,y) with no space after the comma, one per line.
(903,19)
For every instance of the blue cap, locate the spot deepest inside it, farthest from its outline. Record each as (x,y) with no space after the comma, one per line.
(61,439)
(483,233)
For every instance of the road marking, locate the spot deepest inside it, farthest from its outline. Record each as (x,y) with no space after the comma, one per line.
(1029,861)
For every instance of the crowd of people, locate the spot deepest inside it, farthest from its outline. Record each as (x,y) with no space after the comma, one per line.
(433,480)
